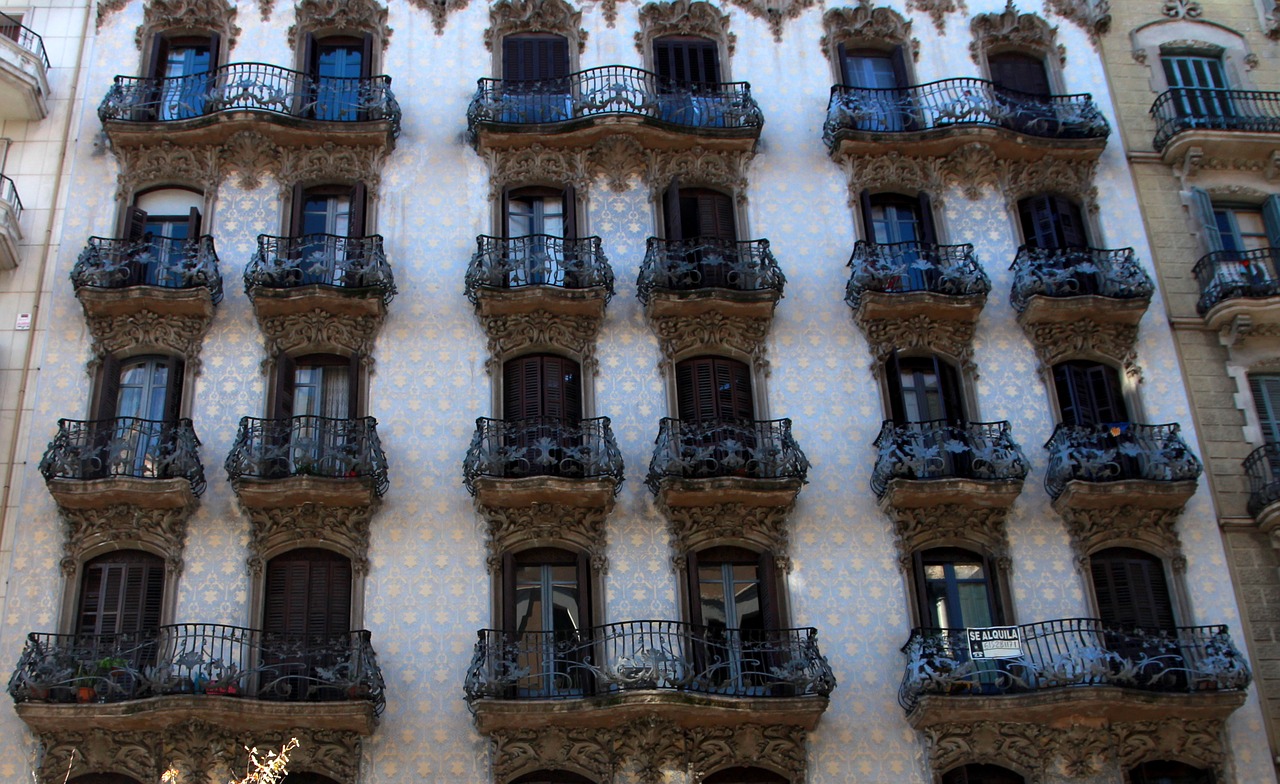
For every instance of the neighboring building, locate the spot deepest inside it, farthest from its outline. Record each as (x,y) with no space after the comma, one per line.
(1199,113)
(552,280)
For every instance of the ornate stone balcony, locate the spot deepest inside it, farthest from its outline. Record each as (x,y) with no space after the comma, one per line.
(1240,289)
(569,277)
(226,676)
(581,108)
(24,72)
(1074,671)
(342,276)
(543,460)
(1240,125)
(290,108)
(1063,285)
(690,676)
(280,463)
(1136,465)
(685,278)
(940,117)
(10,222)
(905,279)
(931,464)
(755,464)
(1262,466)
(174,279)
(123,461)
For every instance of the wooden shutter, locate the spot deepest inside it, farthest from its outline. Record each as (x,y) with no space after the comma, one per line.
(308,592)
(570,212)
(535,57)
(135,223)
(1070,224)
(542,385)
(355,398)
(671,206)
(1271,218)
(157,56)
(893,380)
(104,404)
(286,371)
(1131,590)
(949,392)
(310,55)
(215,43)
(692,563)
(297,208)
(687,60)
(715,214)
(193,223)
(359,207)
(1266,401)
(1089,393)
(121,593)
(928,235)
(868,216)
(713,389)
(585,614)
(767,573)
(1052,222)
(366,56)
(1019,72)
(1205,221)
(173,394)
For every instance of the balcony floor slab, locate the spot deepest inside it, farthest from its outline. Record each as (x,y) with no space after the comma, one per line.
(1064,707)
(1138,493)
(740,304)
(553,299)
(233,713)
(880,305)
(1212,143)
(118,490)
(583,134)
(1248,311)
(525,491)
(292,491)
(970,493)
(676,492)
(939,142)
(157,299)
(1043,309)
(280,129)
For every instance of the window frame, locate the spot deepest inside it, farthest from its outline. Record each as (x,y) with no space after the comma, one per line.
(953,387)
(999,599)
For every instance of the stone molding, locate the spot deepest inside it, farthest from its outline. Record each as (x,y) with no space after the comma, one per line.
(952,338)
(546,524)
(694,527)
(346,16)
(685,17)
(200,751)
(1092,15)
(329,162)
(1071,178)
(1056,342)
(643,748)
(1195,160)
(609,10)
(922,528)
(1091,530)
(344,528)
(938,10)
(439,10)
(166,163)
(713,330)
(145,329)
(617,158)
(775,13)
(158,16)
(726,170)
(1182,9)
(534,16)
(1038,751)
(535,164)
(159,531)
(518,332)
(320,331)
(865,24)
(1013,30)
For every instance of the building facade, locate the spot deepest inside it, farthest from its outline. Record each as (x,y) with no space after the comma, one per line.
(665,406)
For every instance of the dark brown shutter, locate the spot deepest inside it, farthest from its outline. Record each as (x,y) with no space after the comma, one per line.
(286,371)
(509,594)
(570,212)
(584,591)
(695,589)
(215,43)
(541,385)
(928,234)
(893,377)
(1070,224)
(949,392)
(193,223)
(899,59)
(1266,400)
(1037,222)
(297,208)
(355,398)
(366,56)
(173,395)
(1019,72)
(842,57)
(671,206)
(135,223)
(308,592)
(767,573)
(121,593)
(104,404)
(715,215)
(687,60)
(1089,393)
(535,57)
(310,55)
(868,216)
(158,55)
(713,389)
(359,207)
(1131,590)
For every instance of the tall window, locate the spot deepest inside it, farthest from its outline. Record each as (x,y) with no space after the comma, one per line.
(1131,590)
(877,70)
(535,57)
(1198,84)
(1019,72)
(534,220)
(956,589)
(325,385)
(541,386)
(1089,393)
(547,612)
(1266,401)
(685,61)
(308,593)
(890,218)
(1052,222)
(733,588)
(699,213)
(337,64)
(981,774)
(121,593)
(713,389)
(182,63)
(922,389)
(158,225)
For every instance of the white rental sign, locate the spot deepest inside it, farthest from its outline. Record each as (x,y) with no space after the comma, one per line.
(994,642)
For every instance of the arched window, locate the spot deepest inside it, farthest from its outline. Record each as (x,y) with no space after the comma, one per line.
(547,614)
(1089,393)
(121,593)
(159,226)
(136,402)
(181,63)
(981,774)
(1019,72)
(308,594)
(1131,590)
(324,385)
(1169,772)
(686,61)
(551,777)
(733,588)
(891,218)
(956,589)
(535,57)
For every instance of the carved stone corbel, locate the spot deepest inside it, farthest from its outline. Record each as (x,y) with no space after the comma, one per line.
(712,330)
(159,16)
(164,164)
(921,528)
(776,747)
(775,12)
(649,745)
(972,167)
(535,164)
(162,531)
(609,10)
(1021,747)
(439,10)
(510,334)
(71,754)
(863,24)
(617,158)
(684,17)
(545,524)
(346,16)
(1091,530)
(1013,30)
(952,338)
(726,170)
(1092,15)
(1197,741)
(251,155)
(695,527)
(534,16)
(938,10)
(345,528)
(587,751)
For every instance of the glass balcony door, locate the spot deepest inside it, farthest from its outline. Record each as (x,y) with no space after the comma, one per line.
(1199,87)
(185,86)
(547,618)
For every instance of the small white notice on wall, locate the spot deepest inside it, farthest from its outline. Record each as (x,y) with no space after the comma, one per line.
(24,321)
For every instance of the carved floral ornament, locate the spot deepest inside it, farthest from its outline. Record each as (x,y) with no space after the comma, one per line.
(161,15)
(144,330)
(921,528)
(937,10)
(340,16)
(680,335)
(1092,15)
(160,531)
(951,338)
(534,16)
(644,748)
(1013,30)
(684,17)
(775,12)
(519,332)
(866,24)
(1091,530)
(320,331)
(693,528)
(342,528)
(537,525)
(1057,342)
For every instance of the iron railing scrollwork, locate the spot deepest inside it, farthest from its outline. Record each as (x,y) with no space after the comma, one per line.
(152,261)
(762,449)
(23,36)
(1074,272)
(706,263)
(610,660)
(614,90)
(1262,466)
(198,658)
(538,260)
(1210,108)
(257,87)
(309,446)
(1228,274)
(124,447)
(939,449)
(1117,451)
(901,267)
(349,263)
(956,103)
(9,195)
(1072,653)
(542,446)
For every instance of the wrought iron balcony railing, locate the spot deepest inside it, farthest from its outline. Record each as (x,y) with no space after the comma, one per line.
(124,447)
(309,446)
(1231,274)
(939,449)
(254,87)
(1075,272)
(633,656)
(719,448)
(903,267)
(955,103)
(1263,468)
(198,658)
(348,263)
(542,446)
(1073,653)
(538,260)
(708,263)
(25,37)
(1117,451)
(614,90)
(153,261)
(1206,108)
(9,195)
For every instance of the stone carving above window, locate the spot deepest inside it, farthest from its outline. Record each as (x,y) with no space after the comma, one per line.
(920,528)
(1070,178)
(937,10)
(698,166)
(340,16)
(951,338)
(694,527)
(713,330)
(159,531)
(536,165)
(158,16)
(547,525)
(534,16)
(331,162)
(320,331)
(144,329)
(1092,15)
(901,172)
(1124,525)
(514,333)
(865,24)
(439,10)
(1013,30)
(1086,338)
(684,17)
(343,528)
(1182,9)
(775,12)
(166,164)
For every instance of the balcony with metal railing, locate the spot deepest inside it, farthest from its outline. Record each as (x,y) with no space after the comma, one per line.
(563,276)
(245,679)
(124,460)
(578,109)
(691,675)
(24,72)
(1059,285)
(1238,124)
(169,277)
(341,276)
(940,117)
(517,462)
(705,274)
(1074,666)
(1142,466)
(703,463)
(904,279)
(301,459)
(926,464)
(1239,284)
(1262,466)
(10,223)
(291,108)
